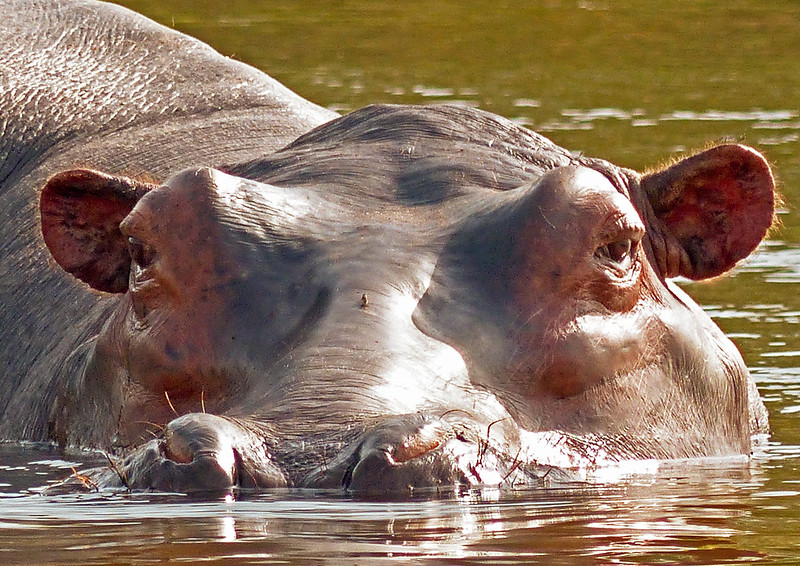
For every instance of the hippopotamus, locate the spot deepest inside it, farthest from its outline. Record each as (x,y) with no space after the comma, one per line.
(226,286)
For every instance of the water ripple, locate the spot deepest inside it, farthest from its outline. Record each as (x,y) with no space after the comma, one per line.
(583,119)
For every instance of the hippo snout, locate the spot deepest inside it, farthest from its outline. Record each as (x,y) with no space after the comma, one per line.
(198,452)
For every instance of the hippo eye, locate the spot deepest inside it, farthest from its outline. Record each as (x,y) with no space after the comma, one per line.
(620,253)
(142,284)
(616,251)
(141,254)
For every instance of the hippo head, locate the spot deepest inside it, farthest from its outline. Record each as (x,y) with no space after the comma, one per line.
(398,287)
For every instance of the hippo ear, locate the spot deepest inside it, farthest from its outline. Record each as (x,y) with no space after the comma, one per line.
(81,211)
(718,206)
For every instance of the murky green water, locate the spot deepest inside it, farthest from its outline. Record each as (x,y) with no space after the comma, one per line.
(634,82)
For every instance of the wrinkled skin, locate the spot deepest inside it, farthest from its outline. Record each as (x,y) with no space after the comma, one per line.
(403,297)
(86,84)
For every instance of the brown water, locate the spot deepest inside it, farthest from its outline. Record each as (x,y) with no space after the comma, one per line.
(633,82)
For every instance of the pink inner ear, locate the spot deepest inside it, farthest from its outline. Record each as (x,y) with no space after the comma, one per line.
(718,204)
(80,213)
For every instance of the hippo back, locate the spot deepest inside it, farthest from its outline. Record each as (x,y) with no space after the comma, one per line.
(90,84)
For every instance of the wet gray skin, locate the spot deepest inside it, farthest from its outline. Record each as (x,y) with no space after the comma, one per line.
(404,297)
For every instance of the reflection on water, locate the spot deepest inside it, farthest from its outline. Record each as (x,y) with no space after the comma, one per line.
(779,262)
(575,119)
(632,82)
(687,512)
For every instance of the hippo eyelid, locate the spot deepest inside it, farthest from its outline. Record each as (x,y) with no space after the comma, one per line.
(624,226)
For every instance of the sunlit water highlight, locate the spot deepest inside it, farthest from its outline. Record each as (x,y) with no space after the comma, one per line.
(688,511)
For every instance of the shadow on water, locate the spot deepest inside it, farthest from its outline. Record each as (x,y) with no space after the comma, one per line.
(632,82)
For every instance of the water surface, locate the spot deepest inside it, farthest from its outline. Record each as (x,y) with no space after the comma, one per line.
(633,82)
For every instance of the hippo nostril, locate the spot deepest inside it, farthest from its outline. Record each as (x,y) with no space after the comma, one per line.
(428,438)
(347,478)
(239,470)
